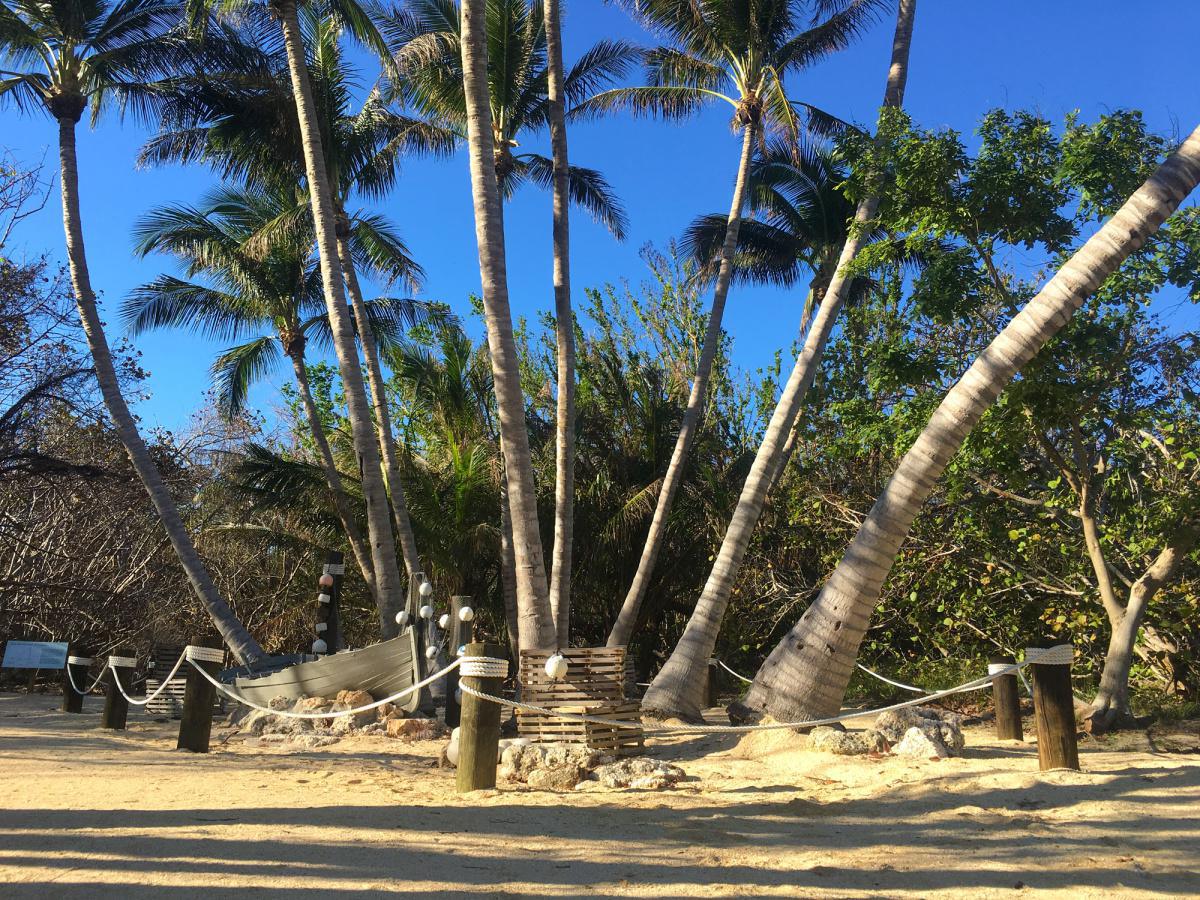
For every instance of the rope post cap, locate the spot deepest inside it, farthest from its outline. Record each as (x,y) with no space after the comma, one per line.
(1056,655)
(204,654)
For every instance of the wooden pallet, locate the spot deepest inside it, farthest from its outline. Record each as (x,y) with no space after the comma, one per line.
(617,740)
(594,685)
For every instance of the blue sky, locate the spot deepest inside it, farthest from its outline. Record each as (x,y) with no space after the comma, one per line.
(967,57)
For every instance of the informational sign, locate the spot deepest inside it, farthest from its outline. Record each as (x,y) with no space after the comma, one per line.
(34,655)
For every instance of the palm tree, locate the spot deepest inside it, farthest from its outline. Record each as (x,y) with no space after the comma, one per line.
(99,53)
(352,19)
(246,127)
(245,292)
(679,688)
(738,52)
(427,37)
(484,73)
(807,672)
(564,435)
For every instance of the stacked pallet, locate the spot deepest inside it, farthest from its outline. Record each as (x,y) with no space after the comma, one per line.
(593,686)
(170,702)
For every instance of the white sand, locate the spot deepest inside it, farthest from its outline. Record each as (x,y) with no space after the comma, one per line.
(86,813)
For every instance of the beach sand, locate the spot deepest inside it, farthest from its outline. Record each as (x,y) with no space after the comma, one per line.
(90,813)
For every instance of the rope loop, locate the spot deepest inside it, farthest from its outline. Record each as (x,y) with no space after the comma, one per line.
(123,662)
(1058,655)
(204,654)
(483,667)
(79,660)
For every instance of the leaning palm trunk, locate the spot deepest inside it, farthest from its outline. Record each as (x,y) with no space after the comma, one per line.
(679,687)
(536,619)
(244,647)
(383,418)
(333,478)
(627,618)
(807,672)
(1110,708)
(389,587)
(564,448)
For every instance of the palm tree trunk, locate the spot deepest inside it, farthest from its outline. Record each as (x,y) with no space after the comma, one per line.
(383,418)
(807,672)
(622,630)
(679,688)
(235,635)
(390,587)
(1110,708)
(537,618)
(508,572)
(333,478)
(564,447)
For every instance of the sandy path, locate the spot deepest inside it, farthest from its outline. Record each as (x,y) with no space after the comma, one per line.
(86,813)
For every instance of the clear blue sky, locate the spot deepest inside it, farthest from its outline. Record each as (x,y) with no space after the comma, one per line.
(967,57)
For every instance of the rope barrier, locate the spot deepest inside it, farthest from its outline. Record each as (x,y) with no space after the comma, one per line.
(75,687)
(288,714)
(1061,654)
(483,667)
(730,671)
(143,701)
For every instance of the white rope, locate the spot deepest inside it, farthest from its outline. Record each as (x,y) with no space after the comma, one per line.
(1032,655)
(483,667)
(287,714)
(730,671)
(1058,655)
(899,684)
(123,662)
(75,687)
(204,654)
(79,660)
(162,687)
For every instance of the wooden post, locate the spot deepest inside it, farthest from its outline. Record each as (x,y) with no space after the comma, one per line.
(195,725)
(1007,701)
(1054,711)
(72,699)
(479,732)
(330,614)
(116,707)
(710,692)
(460,634)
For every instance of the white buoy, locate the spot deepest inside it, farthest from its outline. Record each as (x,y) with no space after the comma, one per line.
(319,647)
(426,589)
(466,614)
(430,652)
(556,666)
(462,651)
(325,581)
(458,696)
(426,611)
(402,618)
(443,621)
(321,626)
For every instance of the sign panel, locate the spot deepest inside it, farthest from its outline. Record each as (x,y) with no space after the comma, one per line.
(34,655)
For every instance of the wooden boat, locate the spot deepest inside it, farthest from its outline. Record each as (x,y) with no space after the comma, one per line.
(381,669)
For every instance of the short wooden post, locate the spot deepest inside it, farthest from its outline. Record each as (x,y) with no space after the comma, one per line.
(460,634)
(330,612)
(710,689)
(77,668)
(116,707)
(1007,700)
(1054,711)
(479,731)
(195,724)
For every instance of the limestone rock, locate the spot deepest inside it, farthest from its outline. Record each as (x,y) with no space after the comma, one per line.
(415,729)
(313,741)
(312,704)
(388,711)
(280,702)
(639,773)
(922,743)
(559,778)
(944,728)
(847,743)
(520,762)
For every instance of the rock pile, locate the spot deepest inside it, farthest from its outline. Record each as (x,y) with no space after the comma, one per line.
(387,720)
(565,767)
(914,731)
